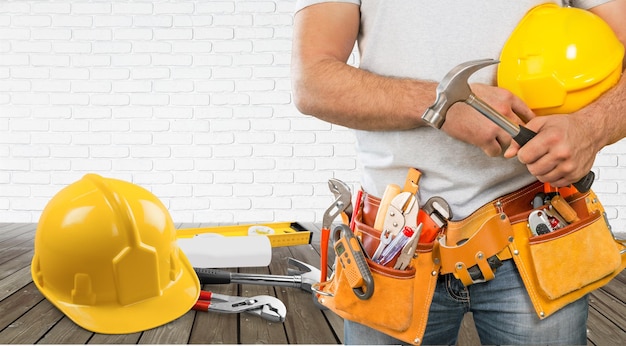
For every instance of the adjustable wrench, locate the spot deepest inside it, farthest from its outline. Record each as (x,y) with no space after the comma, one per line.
(342,202)
(434,215)
(266,307)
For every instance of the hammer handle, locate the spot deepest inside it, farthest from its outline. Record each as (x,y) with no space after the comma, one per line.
(214,276)
(520,134)
(524,135)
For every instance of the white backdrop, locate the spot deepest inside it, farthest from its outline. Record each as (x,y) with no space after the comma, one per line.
(189,99)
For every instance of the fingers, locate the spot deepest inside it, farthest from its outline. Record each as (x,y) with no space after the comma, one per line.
(521,110)
(558,154)
(512,150)
(493,148)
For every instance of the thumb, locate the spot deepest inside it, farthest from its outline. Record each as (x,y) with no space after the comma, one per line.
(512,150)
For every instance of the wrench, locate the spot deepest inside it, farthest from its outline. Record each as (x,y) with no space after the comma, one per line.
(338,188)
(342,202)
(454,88)
(434,215)
(302,278)
(266,307)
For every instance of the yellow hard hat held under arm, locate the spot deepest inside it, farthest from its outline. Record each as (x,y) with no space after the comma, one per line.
(560,59)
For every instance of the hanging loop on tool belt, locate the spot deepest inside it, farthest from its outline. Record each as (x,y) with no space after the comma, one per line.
(474,259)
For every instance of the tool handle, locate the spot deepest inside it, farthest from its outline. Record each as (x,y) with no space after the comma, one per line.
(391,191)
(525,135)
(212,276)
(324,254)
(584,184)
(564,209)
(352,259)
(201,305)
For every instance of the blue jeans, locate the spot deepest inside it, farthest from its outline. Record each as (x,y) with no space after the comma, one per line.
(502,310)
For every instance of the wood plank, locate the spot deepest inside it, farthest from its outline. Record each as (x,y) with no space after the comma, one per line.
(306,324)
(66,332)
(26,317)
(14,248)
(14,282)
(8,227)
(309,255)
(617,287)
(254,329)
(602,331)
(175,332)
(609,306)
(16,263)
(468,335)
(31,326)
(212,327)
(19,243)
(10,230)
(18,304)
(119,339)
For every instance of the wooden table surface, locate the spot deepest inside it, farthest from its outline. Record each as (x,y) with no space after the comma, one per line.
(27,318)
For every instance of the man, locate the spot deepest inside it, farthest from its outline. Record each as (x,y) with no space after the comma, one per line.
(405,48)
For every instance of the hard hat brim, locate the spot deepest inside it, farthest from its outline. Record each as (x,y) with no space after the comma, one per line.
(175,300)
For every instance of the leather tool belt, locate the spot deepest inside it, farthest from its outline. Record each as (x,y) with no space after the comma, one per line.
(557,268)
(467,247)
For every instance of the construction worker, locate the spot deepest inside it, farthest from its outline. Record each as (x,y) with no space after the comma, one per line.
(405,48)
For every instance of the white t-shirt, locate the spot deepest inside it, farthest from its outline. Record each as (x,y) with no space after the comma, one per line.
(424,40)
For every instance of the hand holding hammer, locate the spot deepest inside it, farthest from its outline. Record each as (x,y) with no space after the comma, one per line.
(455,88)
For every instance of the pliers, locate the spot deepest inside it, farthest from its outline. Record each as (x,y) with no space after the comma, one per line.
(267,307)
(341,204)
(402,212)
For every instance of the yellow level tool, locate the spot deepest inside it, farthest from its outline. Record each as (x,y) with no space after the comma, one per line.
(279,233)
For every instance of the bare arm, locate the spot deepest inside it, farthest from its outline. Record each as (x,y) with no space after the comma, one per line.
(326,87)
(613,103)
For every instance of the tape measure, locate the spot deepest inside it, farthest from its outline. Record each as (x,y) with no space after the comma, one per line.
(279,233)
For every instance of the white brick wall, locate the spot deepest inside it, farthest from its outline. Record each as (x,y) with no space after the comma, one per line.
(190,99)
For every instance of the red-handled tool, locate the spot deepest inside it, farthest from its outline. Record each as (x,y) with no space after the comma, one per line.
(357,209)
(434,215)
(342,202)
(267,307)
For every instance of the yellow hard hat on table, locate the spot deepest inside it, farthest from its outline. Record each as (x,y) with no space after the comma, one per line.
(559,59)
(106,256)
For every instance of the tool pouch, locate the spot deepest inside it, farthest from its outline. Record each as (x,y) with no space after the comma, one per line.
(557,268)
(401,299)
(562,266)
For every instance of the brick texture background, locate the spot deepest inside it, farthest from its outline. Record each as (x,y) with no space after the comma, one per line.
(189,99)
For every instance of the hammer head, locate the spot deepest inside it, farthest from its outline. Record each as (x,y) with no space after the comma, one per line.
(452,89)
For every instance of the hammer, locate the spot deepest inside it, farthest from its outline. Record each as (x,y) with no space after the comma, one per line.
(303,277)
(454,88)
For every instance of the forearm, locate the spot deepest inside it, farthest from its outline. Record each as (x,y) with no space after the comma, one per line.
(338,93)
(325,86)
(607,115)
(611,106)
